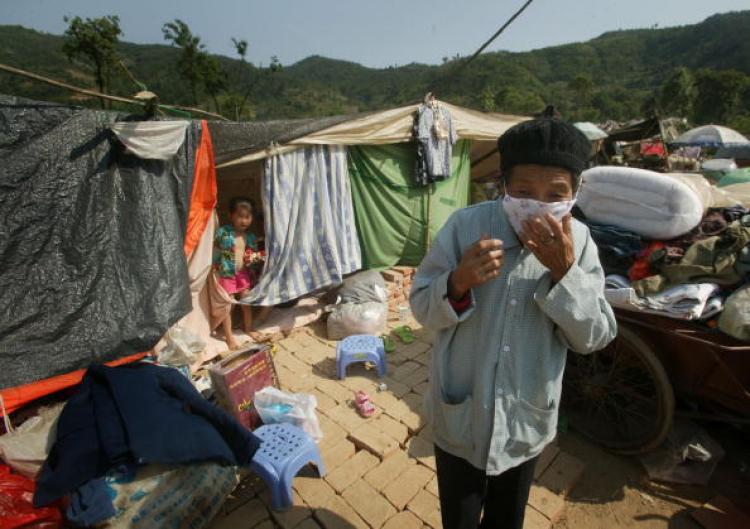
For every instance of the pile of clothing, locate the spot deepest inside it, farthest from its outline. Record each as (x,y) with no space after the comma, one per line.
(135,446)
(703,274)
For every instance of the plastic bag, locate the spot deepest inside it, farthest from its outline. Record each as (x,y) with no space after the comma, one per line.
(347,319)
(183,348)
(16,507)
(275,406)
(26,448)
(364,287)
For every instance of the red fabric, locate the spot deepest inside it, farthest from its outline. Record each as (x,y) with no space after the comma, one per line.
(204,192)
(653,148)
(462,304)
(16,507)
(641,269)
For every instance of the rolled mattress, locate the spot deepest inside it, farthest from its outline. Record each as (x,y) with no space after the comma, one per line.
(650,204)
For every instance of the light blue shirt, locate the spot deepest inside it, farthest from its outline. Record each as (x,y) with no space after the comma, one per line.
(497,368)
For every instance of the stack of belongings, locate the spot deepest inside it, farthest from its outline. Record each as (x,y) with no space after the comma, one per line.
(398,281)
(666,250)
(133,446)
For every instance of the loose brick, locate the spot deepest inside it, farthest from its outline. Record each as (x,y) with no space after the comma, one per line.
(535,520)
(294,516)
(351,470)
(432,487)
(315,492)
(249,515)
(335,390)
(339,515)
(336,455)
(392,427)
(421,389)
(324,401)
(360,383)
(401,372)
(370,505)
(422,451)
(401,491)
(383,474)
(546,502)
(347,417)
(416,377)
(546,458)
(309,523)
(427,508)
(332,432)
(562,474)
(403,520)
(374,440)
(395,388)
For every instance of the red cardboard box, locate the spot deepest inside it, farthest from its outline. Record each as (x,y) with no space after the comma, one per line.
(238,377)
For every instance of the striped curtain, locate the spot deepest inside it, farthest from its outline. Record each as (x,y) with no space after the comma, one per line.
(311,237)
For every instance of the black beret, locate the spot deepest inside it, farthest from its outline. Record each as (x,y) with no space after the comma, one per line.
(546,140)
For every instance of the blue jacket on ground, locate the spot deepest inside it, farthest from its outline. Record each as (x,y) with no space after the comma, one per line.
(139,414)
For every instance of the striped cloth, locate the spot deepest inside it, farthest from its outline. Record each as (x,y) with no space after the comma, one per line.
(311,236)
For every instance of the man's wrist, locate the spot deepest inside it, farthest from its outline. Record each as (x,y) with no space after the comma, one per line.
(456,291)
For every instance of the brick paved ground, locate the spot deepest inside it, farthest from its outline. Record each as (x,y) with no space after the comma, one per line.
(381,470)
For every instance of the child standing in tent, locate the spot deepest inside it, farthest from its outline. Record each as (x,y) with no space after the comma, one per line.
(235,251)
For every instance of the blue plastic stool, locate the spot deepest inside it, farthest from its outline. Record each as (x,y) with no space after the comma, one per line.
(360,348)
(285,449)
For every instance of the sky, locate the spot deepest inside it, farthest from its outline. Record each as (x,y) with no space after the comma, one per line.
(377,33)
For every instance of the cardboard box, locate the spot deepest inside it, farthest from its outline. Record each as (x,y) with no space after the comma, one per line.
(238,377)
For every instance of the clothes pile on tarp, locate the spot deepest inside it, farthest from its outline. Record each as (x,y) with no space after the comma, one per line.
(135,446)
(666,249)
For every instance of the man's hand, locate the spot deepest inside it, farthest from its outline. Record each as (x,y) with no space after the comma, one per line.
(481,263)
(551,242)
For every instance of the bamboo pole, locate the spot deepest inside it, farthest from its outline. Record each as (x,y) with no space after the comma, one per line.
(94,93)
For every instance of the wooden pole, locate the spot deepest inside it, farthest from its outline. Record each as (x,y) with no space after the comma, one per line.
(94,93)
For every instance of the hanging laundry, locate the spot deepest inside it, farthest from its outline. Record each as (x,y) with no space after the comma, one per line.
(435,135)
(151,140)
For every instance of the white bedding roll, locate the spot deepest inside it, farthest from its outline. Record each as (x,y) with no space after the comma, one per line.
(650,204)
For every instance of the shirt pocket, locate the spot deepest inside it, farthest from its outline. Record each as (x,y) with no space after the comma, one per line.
(531,428)
(453,422)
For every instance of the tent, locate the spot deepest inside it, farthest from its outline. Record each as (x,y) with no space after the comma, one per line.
(591,131)
(396,218)
(711,136)
(102,251)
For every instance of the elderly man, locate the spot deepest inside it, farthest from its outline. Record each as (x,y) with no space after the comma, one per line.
(508,287)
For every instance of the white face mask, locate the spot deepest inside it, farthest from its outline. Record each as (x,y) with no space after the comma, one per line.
(519,210)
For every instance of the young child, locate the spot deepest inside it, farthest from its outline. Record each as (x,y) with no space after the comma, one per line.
(235,250)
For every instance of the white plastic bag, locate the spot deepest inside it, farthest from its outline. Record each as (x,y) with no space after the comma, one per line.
(275,406)
(183,348)
(26,448)
(347,319)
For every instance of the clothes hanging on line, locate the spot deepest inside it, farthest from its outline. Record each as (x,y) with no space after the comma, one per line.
(435,135)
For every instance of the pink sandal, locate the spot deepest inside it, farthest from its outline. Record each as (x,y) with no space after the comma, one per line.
(363,404)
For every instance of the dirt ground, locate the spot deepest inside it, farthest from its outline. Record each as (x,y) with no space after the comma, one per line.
(615,492)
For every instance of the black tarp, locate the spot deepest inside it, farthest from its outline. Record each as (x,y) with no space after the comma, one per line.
(91,241)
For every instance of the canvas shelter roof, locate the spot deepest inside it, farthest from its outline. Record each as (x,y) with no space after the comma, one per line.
(375,128)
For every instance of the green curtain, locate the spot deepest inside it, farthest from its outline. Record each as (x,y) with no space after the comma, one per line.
(391,209)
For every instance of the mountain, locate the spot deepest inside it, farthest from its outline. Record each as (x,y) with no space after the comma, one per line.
(614,76)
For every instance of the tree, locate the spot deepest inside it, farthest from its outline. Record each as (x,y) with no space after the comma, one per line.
(94,40)
(189,64)
(719,95)
(582,86)
(678,93)
(514,101)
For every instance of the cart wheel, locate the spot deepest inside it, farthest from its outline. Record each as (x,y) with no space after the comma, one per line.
(619,397)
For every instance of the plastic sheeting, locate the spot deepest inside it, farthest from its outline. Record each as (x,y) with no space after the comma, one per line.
(392,209)
(91,241)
